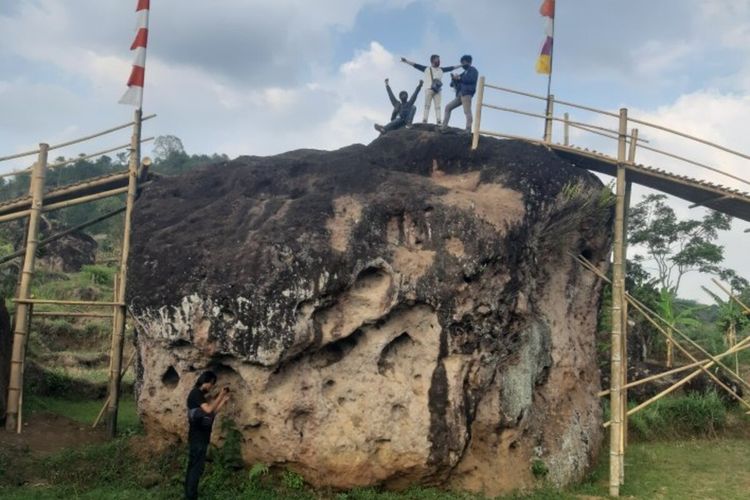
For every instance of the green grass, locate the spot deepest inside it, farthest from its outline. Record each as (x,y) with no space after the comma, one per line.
(84,411)
(692,469)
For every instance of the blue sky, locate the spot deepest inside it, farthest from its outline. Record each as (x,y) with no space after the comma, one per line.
(263,77)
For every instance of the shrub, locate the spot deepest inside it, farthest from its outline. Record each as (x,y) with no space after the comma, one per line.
(98,274)
(681,416)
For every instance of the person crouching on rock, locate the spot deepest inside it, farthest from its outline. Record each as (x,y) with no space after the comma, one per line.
(201,415)
(403,109)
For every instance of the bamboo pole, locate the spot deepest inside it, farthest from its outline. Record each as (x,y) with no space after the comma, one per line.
(21,330)
(478,114)
(548,118)
(118,333)
(72,314)
(91,303)
(70,189)
(732,296)
(624,367)
(566,129)
(618,298)
(67,203)
(704,366)
(94,155)
(633,145)
(74,141)
(106,401)
(679,369)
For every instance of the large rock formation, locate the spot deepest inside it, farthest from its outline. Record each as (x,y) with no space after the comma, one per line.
(398,313)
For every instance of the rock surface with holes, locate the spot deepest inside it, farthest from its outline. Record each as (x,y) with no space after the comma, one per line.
(407,312)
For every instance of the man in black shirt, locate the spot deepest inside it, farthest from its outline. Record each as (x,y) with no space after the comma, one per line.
(201,415)
(403,108)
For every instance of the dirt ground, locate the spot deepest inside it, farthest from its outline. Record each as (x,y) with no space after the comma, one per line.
(47,433)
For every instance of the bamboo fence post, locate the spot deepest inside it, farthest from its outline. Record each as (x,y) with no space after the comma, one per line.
(21,330)
(618,298)
(548,119)
(624,367)
(633,145)
(118,332)
(566,129)
(478,120)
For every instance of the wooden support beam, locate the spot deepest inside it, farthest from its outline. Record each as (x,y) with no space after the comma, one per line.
(566,129)
(21,330)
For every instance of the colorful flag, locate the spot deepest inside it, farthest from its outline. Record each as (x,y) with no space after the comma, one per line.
(544,63)
(134,94)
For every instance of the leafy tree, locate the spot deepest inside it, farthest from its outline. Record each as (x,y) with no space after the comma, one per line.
(677,247)
(166,146)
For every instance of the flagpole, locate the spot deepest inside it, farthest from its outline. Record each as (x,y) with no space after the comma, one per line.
(550,98)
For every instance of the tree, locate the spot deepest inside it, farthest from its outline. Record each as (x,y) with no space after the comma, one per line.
(166,146)
(677,247)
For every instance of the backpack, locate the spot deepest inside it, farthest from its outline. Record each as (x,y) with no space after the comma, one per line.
(437,85)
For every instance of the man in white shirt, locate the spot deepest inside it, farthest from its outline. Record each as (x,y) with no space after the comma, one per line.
(433,76)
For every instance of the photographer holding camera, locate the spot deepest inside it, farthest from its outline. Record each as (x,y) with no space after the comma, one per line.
(201,414)
(465,85)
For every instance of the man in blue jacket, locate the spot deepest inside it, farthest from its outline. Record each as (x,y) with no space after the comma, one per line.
(403,109)
(465,85)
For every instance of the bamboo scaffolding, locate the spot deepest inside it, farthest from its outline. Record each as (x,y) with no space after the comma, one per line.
(21,330)
(646,312)
(703,367)
(737,348)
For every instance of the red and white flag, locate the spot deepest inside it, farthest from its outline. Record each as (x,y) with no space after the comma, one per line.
(134,94)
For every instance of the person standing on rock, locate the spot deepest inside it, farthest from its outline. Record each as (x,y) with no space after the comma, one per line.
(403,108)
(465,85)
(201,415)
(433,75)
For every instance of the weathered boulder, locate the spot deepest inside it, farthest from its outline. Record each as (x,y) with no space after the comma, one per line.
(404,312)
(67,254)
